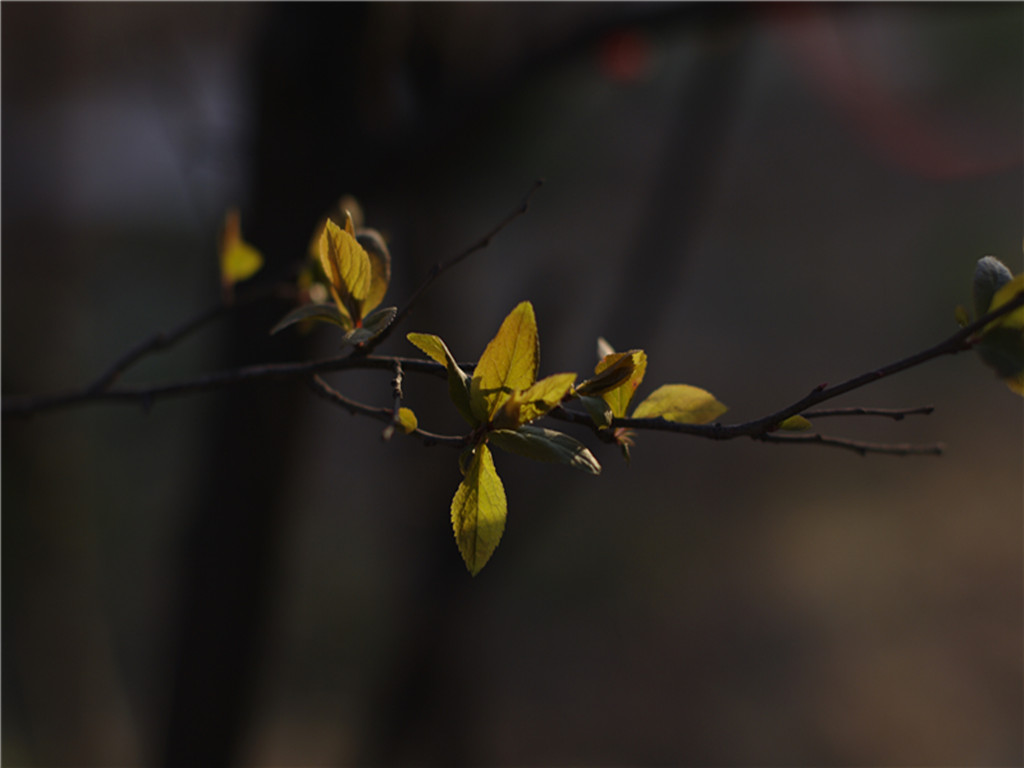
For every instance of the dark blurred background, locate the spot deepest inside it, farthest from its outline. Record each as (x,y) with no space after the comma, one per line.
(763,197)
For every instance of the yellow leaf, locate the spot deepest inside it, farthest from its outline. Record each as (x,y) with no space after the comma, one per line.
(380,267)
(479,510)
(458,379)
(508,363)
(1005,294)
(680,403)
(238,260)
(407,420)
(619,397)
(347,268)
(795,423)
(533,402)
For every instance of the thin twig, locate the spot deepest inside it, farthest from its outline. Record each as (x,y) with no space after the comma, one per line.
(857,446)
(897,414)
(327,392)
(443,266)
(165,339)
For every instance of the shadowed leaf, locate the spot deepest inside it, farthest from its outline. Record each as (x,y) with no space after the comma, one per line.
(546,445)
(319,312)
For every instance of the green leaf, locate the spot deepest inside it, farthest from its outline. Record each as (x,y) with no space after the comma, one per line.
(619,397)
(318,312)
(680,403)
(478,511)
(990,275)
(600,412)
(458,379)
(533,402)
(548,445)
(795,423)
(375,322)
(509,362)
(238,260)
(347,267)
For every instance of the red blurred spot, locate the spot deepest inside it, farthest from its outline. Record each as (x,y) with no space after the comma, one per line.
(624,56)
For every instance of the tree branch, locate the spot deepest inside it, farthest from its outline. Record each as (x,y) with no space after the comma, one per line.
(443,266)
(331,395)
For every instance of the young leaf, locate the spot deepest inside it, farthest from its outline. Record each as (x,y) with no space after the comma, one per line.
(1006,293)
(458,379)
(509,362)
(619,397)
(615,369)
(604,348)
(548,445)
(380,266)
(533,402)
(320,312)
(600,412)
(347,267)
(407,420)
(376,321)
(990,274)
(1001,346)
(795,423)
(238,260)
(680,403)
(479,510)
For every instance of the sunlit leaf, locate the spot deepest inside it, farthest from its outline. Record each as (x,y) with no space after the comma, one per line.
(458,379)
(962,318)
(318,312)
(347,267)
(990,275)
(479,510)
(680,403)
(380,266)
(795,423)
(548,445)
(509,362)
(1006,293)
(238,260)
(533,402)
(619,397)
(407,420)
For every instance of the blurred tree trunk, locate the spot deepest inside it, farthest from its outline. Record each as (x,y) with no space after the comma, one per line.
(231,560)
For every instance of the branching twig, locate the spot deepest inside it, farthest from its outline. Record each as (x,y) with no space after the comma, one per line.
(163,340)
(326,391)
(443,266)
